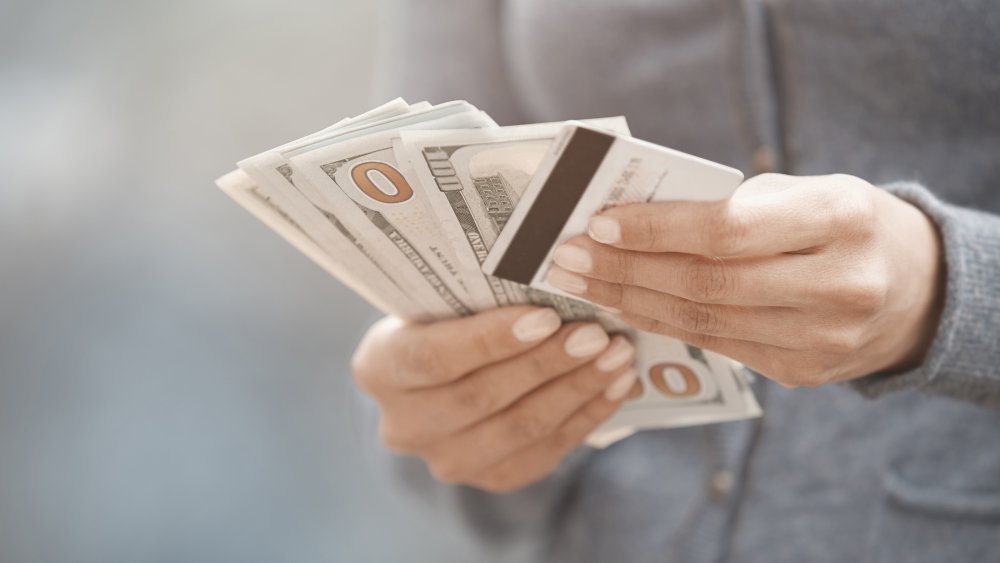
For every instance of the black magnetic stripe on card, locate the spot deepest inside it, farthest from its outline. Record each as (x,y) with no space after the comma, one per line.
(559,195)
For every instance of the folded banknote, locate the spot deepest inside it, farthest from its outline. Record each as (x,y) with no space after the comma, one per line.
(433,211)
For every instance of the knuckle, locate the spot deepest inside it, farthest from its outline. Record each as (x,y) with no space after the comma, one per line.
(730,233)
(689,337)
(631,298)
(697,318)
(424,360)
(649,233)
(475,399)
(446,472)
(578,385)
(541,361)
(866,295)
(624,267)
(857,214)
(395,439)
(854,209)
(819,339)
(610,294)
(527,427)
(872,297)
(483,343)
(827,207)
(708,280)
(564,440)
(843,342)
(591,416)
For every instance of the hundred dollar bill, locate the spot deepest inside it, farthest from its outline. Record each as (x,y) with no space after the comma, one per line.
(409,204)
(471,180)
(360,179)
(273,179)
(358,275)
(474,181)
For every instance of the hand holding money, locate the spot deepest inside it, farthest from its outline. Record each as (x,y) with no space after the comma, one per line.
(497,399)
(414,206)
(740,276)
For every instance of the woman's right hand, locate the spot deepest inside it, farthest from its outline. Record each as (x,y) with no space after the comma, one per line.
(494,400)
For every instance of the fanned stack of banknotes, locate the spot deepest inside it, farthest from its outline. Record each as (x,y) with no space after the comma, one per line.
(433,211)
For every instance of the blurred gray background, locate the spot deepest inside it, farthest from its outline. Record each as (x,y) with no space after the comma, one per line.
(173,376)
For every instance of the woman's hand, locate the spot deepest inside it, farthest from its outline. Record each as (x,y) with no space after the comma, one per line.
(806,280)
(495,400)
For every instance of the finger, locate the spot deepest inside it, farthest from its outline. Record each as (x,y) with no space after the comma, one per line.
(767,325)
(408,356)
(752,354)
(781,280)
(796,219)
(530,419)
(788,366)
(426,415)
(541,458)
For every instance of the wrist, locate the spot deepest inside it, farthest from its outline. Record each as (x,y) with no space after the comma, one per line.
(926,270)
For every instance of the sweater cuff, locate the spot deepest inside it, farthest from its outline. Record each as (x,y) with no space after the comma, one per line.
(963,359)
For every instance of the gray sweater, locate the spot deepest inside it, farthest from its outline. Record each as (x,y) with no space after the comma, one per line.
(906,94)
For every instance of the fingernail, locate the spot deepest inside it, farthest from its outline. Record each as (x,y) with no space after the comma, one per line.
(617,355)
(586,341)
(566,281)
(605,229)
(536,325)
(573,258)
(621,386)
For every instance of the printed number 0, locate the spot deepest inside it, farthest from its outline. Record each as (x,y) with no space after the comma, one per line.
(691,385)
(361,174)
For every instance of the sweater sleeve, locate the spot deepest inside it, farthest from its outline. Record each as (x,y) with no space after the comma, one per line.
(963,361)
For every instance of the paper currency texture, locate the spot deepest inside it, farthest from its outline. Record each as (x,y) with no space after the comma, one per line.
(416,207)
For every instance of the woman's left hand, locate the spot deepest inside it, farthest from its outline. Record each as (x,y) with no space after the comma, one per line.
(807,280)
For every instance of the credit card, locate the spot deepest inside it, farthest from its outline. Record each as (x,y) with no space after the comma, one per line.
(585,172)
